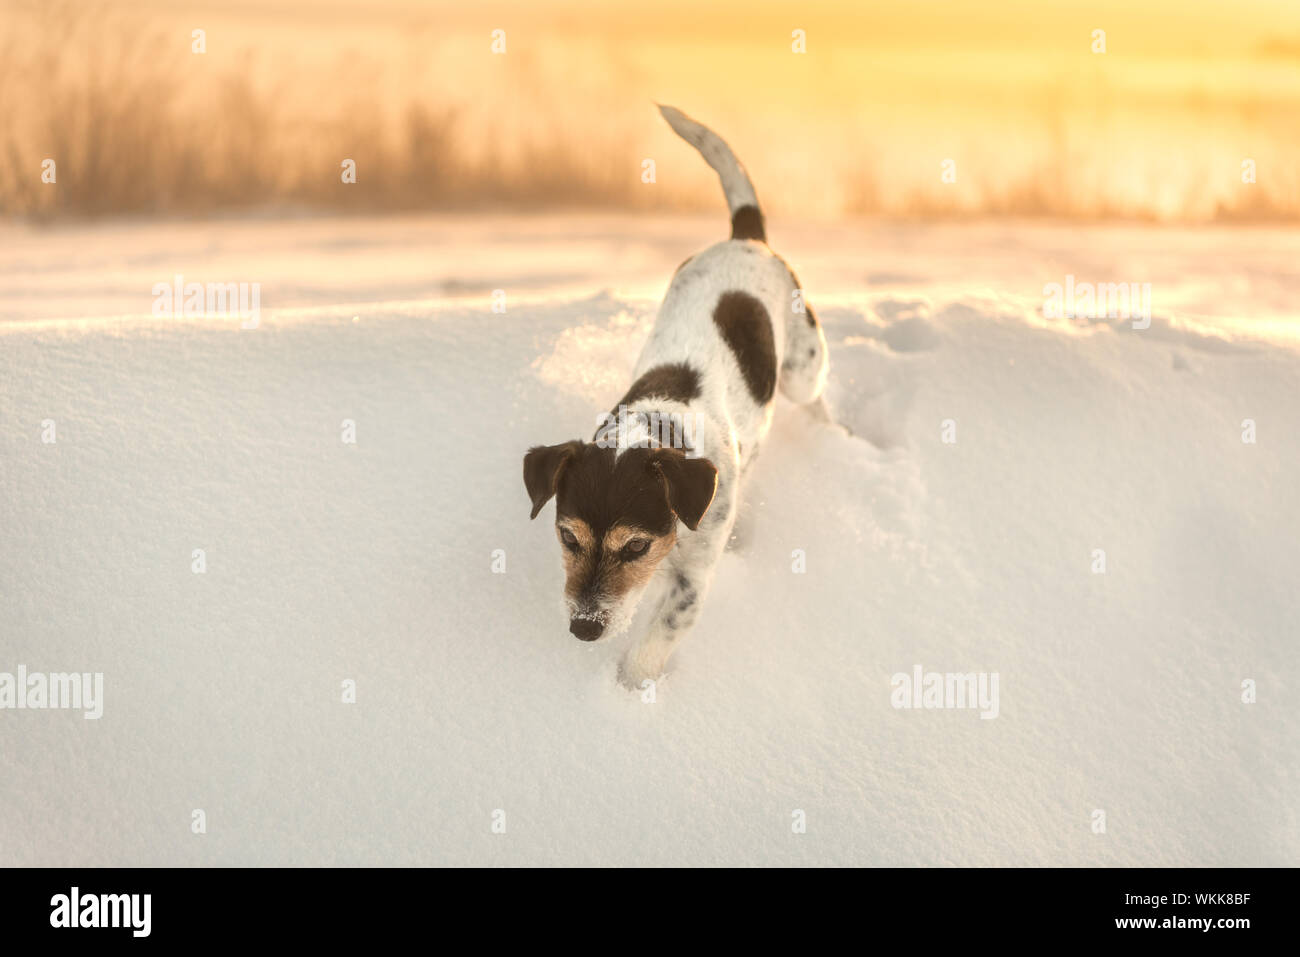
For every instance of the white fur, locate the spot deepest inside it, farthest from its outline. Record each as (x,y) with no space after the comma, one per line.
(735,181)
(731,425)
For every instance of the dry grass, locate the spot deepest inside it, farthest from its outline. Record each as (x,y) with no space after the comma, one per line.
(136,130)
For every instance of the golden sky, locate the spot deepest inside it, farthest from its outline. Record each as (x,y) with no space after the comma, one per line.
(1012,92)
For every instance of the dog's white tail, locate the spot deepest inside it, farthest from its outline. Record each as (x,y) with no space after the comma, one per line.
(746,217)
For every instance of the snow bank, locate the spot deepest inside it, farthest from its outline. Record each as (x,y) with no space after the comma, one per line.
(373,562)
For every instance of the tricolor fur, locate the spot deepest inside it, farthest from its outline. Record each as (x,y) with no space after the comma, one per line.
(655,492)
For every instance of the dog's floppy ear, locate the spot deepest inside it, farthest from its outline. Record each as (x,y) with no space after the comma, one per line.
(690,483)
(542,467)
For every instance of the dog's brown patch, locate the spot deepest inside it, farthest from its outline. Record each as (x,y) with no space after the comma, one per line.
(747,223)
(578,529)
(605,500)
(605,489)
(621,535)
(604,572)
(675,381)
(624,573)
(579,562)
(542,467)
(746,327)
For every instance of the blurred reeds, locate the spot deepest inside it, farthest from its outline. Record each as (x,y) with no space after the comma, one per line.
(138,125)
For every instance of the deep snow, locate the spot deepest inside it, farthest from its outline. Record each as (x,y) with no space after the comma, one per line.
(373,562)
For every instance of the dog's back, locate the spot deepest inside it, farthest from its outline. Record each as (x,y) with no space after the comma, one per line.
(733,325)
(733,328)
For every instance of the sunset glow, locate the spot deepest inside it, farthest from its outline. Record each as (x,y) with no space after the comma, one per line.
(1033,118)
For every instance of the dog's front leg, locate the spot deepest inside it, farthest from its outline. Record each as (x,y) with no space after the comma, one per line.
(691,570)
(676,613)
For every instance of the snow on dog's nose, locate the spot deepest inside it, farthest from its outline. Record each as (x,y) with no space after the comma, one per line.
(586,629)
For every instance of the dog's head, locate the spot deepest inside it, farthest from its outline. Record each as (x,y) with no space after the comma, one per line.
(616,513)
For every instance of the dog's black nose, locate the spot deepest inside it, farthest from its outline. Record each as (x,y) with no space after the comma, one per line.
(585,629)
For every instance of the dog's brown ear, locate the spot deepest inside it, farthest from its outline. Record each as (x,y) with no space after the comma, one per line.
(690,484)
(542,467)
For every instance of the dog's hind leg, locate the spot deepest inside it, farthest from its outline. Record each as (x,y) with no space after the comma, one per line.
(806,364)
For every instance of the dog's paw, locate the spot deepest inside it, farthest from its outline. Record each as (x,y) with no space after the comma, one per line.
(637,675)
(632,681)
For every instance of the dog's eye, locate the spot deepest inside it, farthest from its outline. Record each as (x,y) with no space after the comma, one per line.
(636,547)
(568,538)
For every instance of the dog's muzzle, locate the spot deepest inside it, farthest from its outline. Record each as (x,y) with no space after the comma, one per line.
(585,629)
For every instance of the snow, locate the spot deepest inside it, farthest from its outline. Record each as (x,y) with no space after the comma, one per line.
(373,562)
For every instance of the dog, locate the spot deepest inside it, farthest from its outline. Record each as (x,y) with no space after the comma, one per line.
(732,328)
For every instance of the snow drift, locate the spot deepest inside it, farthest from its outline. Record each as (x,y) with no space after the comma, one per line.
(379,562)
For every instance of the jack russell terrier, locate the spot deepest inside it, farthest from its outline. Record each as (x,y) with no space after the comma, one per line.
(733,327)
